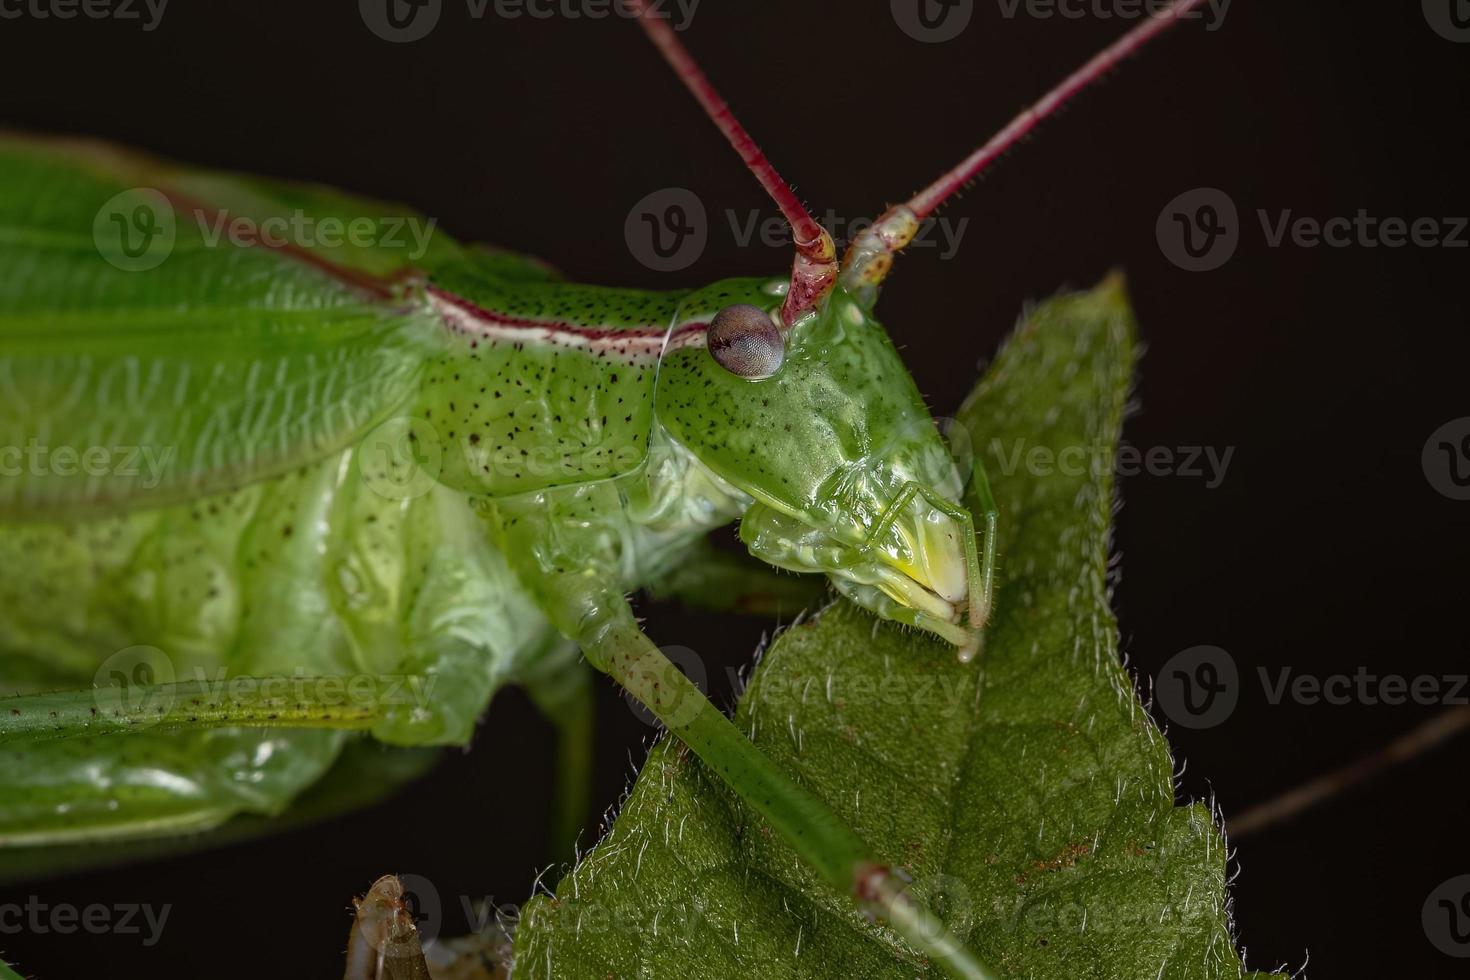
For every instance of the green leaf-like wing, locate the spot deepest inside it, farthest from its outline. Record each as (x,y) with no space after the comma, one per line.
(151,349)
(1029,795)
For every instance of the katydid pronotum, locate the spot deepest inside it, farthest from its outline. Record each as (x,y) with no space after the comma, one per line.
(340,492)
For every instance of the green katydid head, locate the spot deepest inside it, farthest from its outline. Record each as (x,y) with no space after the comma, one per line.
(812,413)
(820,423)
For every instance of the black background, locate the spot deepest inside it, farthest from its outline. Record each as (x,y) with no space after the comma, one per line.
(1326,369)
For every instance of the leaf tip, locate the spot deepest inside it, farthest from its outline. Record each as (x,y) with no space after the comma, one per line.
(1113,288)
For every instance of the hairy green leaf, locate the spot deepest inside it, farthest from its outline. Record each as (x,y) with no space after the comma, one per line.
(1029,794)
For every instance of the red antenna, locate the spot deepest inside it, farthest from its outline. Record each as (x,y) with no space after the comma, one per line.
(870,257)
(815,268)
(871,254)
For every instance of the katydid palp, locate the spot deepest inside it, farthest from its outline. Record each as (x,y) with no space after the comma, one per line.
(305,491)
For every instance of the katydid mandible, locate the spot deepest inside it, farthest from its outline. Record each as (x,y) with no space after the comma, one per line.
(427,479)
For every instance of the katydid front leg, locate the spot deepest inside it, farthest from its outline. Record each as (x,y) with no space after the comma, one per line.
(615,645)
(569,548)
(384,941)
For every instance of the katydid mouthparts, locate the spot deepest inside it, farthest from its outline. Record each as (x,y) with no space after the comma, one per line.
(379,488)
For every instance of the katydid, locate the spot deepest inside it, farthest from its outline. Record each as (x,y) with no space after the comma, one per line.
(310,490)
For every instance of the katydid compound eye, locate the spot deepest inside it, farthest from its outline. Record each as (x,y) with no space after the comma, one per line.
(743,340)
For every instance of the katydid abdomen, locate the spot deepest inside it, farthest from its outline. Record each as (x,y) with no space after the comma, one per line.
(311,574)
(305,575)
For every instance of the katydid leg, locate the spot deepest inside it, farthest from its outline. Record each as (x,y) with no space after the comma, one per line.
(614,644)
(186,705)
(384,941)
